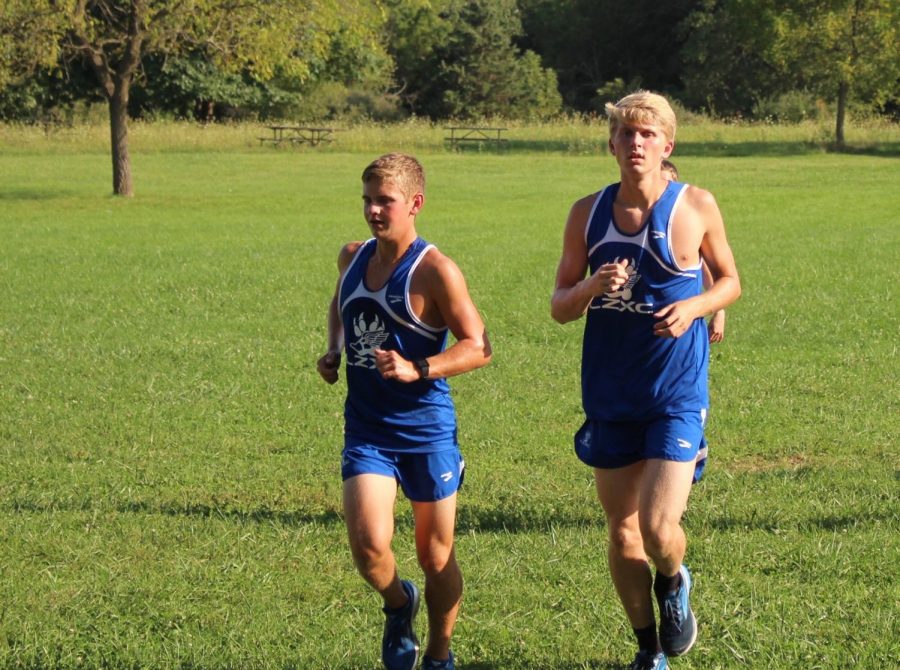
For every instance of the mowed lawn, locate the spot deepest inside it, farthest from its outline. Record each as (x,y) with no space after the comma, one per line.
(169,458)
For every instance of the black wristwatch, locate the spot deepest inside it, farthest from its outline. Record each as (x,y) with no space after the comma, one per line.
(422,366)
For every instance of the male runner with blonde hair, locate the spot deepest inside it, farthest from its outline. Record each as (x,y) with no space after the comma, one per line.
(631,262)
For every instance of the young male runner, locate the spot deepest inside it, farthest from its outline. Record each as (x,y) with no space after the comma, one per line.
(631,262)
(397,297)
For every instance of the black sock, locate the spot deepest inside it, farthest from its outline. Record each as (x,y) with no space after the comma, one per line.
(646,638)
(663,585)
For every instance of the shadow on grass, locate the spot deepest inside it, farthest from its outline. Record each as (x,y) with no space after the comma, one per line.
(507,663)
(506,520)
(597,145)
(28,194)
(510,518)
(504,664)
(827,523)
(501,664)
(513,518)
(775,149)
(519,519)
(259,515)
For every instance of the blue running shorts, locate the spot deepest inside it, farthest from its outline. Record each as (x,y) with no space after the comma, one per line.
(615,444)
(422,477)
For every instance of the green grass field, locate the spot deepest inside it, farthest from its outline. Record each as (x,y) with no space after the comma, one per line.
(169,459)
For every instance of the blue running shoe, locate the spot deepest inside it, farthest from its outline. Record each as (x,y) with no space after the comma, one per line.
(648,661)
(400,646)
(429,663)
(677,624)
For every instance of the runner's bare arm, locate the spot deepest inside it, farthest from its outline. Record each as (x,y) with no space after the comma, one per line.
(673,320)
(329,364)
(573,291)
(446,289)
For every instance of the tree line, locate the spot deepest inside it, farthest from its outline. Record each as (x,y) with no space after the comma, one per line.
(462,59)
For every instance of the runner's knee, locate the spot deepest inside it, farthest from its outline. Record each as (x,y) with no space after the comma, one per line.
(625,540)
(435,558)
(368,554)
(659,537)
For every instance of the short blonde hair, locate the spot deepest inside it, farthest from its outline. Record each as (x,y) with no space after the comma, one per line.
(401,170)
(642,107)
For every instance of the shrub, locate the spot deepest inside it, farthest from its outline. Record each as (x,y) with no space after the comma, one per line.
(790,107)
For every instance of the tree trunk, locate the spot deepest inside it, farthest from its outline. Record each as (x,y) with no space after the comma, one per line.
(118,124)
(843,92)
(114,71)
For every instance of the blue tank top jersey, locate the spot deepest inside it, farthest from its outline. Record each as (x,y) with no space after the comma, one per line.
(627,372)
(395,416)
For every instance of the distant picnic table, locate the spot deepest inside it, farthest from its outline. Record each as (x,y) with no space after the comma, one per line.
(298,135)
(461,134)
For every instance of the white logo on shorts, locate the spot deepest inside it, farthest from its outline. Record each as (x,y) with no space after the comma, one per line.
(684,444)
(447,476)
(586,438)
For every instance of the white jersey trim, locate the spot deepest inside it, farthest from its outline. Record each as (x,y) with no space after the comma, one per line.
(693,268)
(590,219)
(409,277)
(640,239)
(379,296)
(353,261)
(613,234)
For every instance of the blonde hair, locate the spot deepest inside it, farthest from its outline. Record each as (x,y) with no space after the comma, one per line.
(642,107)
(401,170)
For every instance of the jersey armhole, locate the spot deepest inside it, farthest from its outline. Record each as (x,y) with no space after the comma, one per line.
(351,266)
(409,310)
(672,256)
(590,219)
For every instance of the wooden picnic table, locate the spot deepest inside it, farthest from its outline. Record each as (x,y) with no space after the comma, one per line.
(298,135)
(460,134)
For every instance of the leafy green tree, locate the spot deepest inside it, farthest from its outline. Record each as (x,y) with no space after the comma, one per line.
(191,87)
(459,59)
(416,31)
(48,95)
(739,53)
(845,49)
(262,39)
(591,42)
(729,56)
